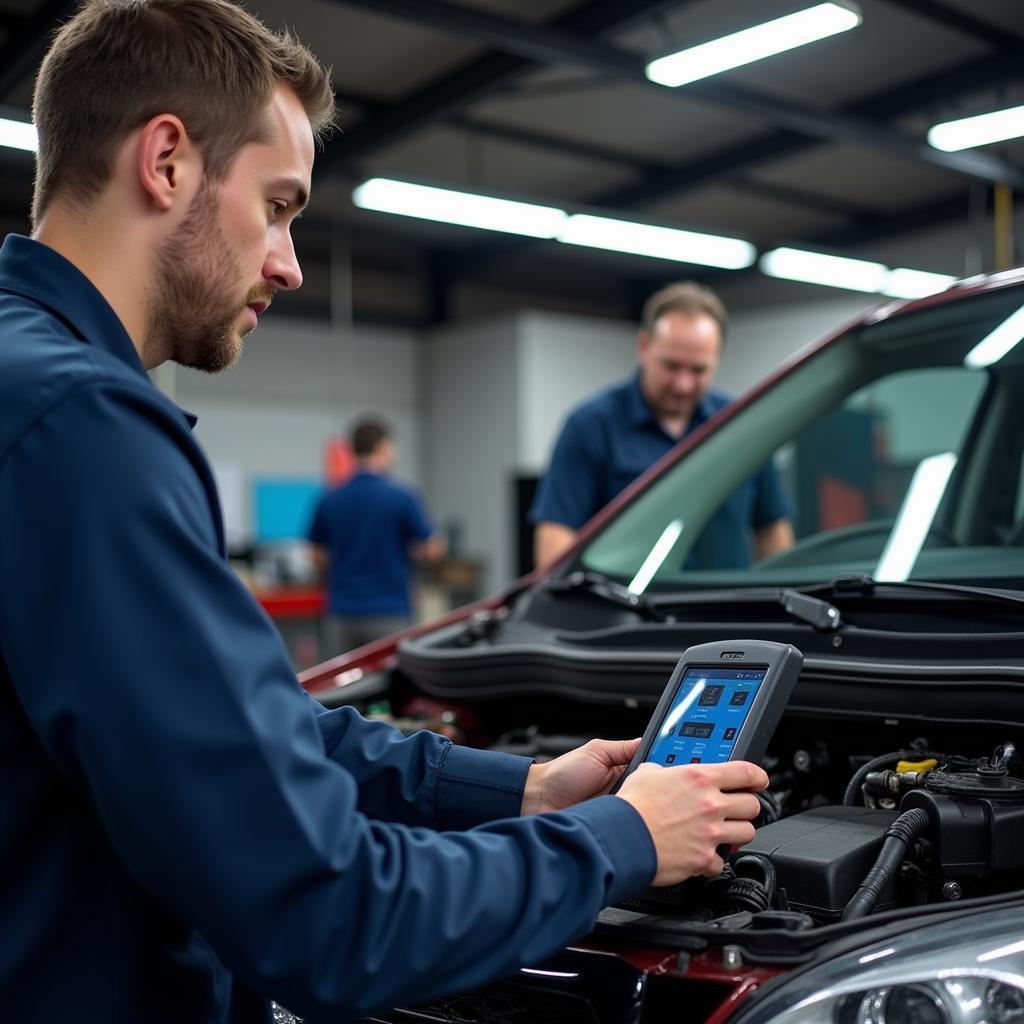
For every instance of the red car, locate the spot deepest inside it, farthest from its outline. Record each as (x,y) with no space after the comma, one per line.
(900,439)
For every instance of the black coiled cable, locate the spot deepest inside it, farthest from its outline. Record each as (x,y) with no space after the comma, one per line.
(754,886)
(898,839)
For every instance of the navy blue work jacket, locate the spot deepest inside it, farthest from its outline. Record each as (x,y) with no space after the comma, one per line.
(184,834)
(614,437)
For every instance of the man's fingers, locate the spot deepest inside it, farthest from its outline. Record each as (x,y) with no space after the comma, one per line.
(737,833)
(739,775)
(619,751)
(743,806)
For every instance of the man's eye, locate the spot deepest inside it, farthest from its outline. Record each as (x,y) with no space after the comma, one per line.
(278,207)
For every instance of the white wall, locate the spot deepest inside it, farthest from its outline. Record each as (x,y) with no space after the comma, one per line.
(469,382)
(295,386)
(562,360)
(761,340)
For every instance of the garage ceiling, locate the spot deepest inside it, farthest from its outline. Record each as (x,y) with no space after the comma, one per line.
(821,146)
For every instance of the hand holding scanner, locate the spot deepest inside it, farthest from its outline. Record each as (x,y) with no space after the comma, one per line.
(722,703)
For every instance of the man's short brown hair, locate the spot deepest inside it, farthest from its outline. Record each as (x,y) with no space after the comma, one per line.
(117,63)
(367,435)
(685,297)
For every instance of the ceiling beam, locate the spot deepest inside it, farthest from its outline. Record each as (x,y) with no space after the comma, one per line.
(541,44)
(725,163)
(454,91)
(561,47)
(648,167)
(1000,39)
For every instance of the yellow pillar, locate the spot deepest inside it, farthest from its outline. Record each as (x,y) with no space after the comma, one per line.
(1004,226)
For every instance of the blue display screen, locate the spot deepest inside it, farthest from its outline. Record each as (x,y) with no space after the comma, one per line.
(707,713)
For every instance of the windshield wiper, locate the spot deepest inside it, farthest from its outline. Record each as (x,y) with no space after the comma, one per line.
(814,611)
(860,583)
(608,590)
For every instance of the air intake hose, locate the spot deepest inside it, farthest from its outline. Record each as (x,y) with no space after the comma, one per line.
(898,838)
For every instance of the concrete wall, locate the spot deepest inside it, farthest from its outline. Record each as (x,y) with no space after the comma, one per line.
(295,386)
(561,361)
(470,431)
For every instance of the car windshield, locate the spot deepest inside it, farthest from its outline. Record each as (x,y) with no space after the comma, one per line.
(897,447)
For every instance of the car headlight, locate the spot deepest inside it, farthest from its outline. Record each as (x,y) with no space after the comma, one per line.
(969,970)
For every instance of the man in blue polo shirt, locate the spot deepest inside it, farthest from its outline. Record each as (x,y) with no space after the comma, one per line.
(365,535)
(184,834)
(611,439)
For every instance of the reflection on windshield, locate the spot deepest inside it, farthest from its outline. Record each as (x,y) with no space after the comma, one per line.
(1001,341)
(899,449)
(654,561)
(915,518)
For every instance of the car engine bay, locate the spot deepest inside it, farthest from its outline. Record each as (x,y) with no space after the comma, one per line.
(883,798)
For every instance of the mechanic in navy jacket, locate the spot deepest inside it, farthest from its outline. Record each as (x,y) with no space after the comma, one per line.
(614,437)
(184,834)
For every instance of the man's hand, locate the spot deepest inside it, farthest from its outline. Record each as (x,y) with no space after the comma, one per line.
(692,809)
(587,771)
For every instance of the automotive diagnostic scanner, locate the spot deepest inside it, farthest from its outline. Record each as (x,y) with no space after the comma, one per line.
(722,703)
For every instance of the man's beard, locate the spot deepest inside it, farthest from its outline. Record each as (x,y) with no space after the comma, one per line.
(193,309)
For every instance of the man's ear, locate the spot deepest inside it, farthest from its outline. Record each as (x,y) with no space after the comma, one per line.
(643,339)
(168,162)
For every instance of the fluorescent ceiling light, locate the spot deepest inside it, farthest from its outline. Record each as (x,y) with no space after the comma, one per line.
(756,43)
(915,518)
(819,268)
(18,135)
(904,283)
(980,130)
(657,555)
(994,346)
(463,208)
(662,243)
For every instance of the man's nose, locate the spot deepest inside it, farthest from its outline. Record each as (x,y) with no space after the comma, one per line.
(281,269)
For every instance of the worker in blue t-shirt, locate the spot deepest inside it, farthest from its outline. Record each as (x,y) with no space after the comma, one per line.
(608,441)
(365,535)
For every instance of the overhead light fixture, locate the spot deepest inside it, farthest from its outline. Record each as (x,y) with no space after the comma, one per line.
(755,43)
(904,283)
(659,242)
(997,343)
(980,130)
(915,518)
(856,275)
(467,209)
(18,135)
(820,268)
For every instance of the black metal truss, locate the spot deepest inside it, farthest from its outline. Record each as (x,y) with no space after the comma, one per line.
(451,93)
(561,46)
(1000,39)
(725,164)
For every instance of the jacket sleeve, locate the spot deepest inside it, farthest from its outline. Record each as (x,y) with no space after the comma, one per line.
(166,698)
(423,779)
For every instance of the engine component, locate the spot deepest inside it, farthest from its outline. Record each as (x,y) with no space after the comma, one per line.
(899,837)
(822,855)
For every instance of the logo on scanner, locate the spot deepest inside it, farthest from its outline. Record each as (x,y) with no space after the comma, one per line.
(731,655)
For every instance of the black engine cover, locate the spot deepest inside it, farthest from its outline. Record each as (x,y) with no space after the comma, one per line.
(821,856)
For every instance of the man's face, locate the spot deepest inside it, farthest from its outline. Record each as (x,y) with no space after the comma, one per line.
(233,250)
(678,360)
